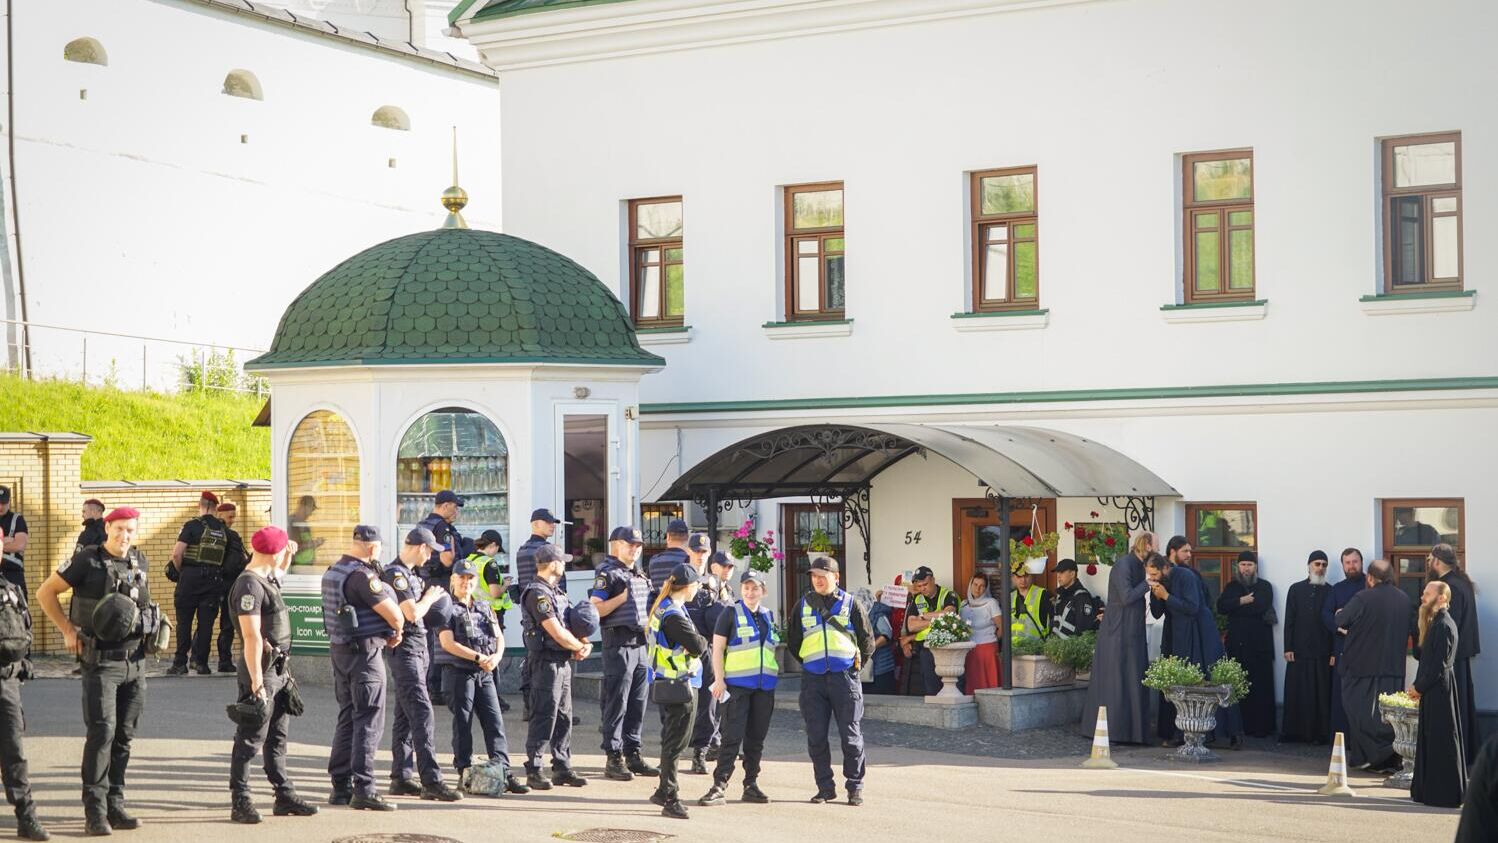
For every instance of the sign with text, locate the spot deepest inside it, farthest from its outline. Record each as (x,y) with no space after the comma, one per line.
(895,596)
(303,595)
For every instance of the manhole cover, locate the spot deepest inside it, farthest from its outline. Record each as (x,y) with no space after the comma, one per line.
(395,838)
(614,835)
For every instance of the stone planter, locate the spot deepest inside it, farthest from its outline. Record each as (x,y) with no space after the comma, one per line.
(1406,723)
(1084,675)
(1040,672)
(950,660)
(1196,716)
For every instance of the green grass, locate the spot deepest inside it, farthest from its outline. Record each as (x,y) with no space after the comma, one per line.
(144,435)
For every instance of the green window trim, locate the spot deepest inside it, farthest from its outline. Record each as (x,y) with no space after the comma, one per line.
(985,314)
(665,329)
(1420,294)
(801,322)
(1211,304)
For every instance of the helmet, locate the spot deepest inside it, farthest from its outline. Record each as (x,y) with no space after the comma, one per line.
(115,618)
(582,619)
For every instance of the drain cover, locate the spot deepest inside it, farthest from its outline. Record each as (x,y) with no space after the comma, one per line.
(614,835)
(395,838)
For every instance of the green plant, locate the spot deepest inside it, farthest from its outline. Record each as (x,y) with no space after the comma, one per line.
(1031,547)
(820,542)
(1075,652)
(758,550)
(215,369)
(1024,645)
(948,629)
(1166,673)
(1227,671)
(1101,545)
(1398,699)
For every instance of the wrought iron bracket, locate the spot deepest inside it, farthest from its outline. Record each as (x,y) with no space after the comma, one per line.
(1139,512)
(856,511)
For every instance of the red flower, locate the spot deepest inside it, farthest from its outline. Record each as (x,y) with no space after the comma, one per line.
(1092,534)
(1095,515)
(1081,534)
(1109,541)
(1068,525)
(1027,541)
(1091,569)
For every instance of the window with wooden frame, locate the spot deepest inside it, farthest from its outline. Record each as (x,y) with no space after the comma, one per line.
(656,274)
(798,523)
(1219,226)
(653,520)
(1006,271)
(1422,186)
(1411,527)
(1218,532)
(814,252)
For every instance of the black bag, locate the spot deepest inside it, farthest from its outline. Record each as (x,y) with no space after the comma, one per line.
(294,704)
(672,691)
(15,626)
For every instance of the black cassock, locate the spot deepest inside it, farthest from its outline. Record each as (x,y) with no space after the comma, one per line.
(1250,640)
(1480,811)
(1308,679)
(1440,770)
(1122,655)
(1464,614)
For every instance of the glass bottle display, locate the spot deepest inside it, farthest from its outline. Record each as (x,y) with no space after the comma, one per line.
(459,450)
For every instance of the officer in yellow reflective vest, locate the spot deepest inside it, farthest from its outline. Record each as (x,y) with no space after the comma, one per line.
(676,651)
(1030,606)
(830,635)
(494,586)
(744,665)
(926,602)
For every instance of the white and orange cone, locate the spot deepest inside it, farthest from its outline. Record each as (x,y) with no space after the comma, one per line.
(1336,774)
(1101,758)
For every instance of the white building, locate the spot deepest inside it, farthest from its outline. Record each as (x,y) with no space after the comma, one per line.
(182,168)
(1252,280)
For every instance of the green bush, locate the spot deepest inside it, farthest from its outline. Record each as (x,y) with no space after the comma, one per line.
(1166,673)
(1227,671)
(1026,646)
(948,629)
(1075,652)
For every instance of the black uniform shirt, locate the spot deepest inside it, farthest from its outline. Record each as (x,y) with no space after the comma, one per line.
(192,533)
(404,586)
(234,556)
(537,606)
(93,534)
(14,522)
(364,589)
(680,632)
(253,594)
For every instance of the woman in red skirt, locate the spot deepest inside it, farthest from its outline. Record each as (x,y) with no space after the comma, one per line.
(982,613)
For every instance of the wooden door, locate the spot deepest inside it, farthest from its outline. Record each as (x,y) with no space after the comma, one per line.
(797,522)
(975,543)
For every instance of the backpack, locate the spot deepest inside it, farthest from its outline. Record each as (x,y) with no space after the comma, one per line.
(484,779)
(15,625)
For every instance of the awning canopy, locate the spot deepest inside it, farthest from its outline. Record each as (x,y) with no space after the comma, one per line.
(837,460)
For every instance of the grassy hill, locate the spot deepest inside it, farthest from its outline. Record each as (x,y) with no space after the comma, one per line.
(144,435)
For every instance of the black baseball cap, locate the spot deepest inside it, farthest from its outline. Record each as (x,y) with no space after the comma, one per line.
(752,575)
(921,573)
(4,494)
(551,553)
(366,533)
(545,515)
(828,564)
(465,568)
(489,537)
(684,574)
(423,536)
(721,558)
(699,543)
(626,534)
(677,527)
(449,496)
(1066,565)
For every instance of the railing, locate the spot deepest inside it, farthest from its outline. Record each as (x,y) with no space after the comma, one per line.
(126,361)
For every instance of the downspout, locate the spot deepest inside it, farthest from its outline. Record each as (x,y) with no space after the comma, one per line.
(15,208)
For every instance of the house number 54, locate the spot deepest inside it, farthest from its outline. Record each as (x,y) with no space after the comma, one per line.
(912,536)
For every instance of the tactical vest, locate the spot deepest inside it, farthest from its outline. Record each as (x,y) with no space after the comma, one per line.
(210,547)
(749,661)
(1025,623)
(105,576)
(525,561)
(395,570)
(634,611)
(825,648)
(537,640)
(368,624)
(922,607)
(670,661)
(473,627)
(15,627)
(500,604)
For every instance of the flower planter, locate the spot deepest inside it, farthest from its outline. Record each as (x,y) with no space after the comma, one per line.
(951,660)
(1406,723)
(1196,716)
(1039,672)
(1036,566)
(1084,675)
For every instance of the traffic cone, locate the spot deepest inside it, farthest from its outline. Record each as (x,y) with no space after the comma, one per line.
(1336,774)
(1101,758)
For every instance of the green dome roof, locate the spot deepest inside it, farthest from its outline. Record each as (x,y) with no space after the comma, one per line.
(455,296)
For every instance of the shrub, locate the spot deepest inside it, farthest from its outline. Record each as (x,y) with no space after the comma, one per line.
(1026,646)
(1075,652)
(1227,671)
(948,629)
(1164,674)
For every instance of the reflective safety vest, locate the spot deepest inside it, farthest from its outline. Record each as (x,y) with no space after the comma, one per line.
(669,661)
(828,647)
(499,604)
(749,661)
(1025,623)
(922,607)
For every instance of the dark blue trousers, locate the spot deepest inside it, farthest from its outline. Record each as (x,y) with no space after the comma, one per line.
(828,697)
(469,693)
(359,688)
(705,726)
(550,702)
(413,741)
(624,691)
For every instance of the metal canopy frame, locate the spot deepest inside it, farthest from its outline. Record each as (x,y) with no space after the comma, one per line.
(839,462)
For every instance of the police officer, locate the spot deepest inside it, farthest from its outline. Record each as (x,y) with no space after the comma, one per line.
(93,525)
(543,526)
(927,600)
(15,668)
(438,571)
(493,586)
(471,650)
(704,609)
(1072,609)
(744,641)
(235,560)
(676,654)
(621,591)
(830,635)
(196,561)
(360,618)
(553,641)
(105,628)
(13,546)
(413,745)
(265,685)
(663,563)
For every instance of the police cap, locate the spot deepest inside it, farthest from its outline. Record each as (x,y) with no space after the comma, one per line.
(628,534)
(551,553)
(448,496)
(582,619)
(465,568)
(824,563)
(684,574)
(677,527)
(699,543)
(1066,565)
(366,533)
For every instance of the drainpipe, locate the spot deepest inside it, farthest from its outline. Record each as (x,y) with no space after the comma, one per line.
(15,208)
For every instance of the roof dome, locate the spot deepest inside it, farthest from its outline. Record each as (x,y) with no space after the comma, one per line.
(455,295)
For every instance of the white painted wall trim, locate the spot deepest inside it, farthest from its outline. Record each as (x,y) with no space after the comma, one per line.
(807,330)
(1245,312)
(1001,321)
(679,336)
(1393,305)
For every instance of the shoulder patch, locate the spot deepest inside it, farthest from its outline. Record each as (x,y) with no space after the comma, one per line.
(247,603)
(402,583)
(375,585)
(543,604)
(600,581)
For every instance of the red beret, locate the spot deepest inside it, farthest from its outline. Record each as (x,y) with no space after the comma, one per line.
(120,513)
(227,506)
(210,498)
(94,502)
(268,540)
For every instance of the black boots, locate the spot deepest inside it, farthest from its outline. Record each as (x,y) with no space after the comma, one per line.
(699,765)
(638,766)
(515,786)
(714,796)
(27,825)
(119,819)
(404,787)
(567,778)
(616,770)
(855,796)
(242,810)
(752,793)
(343,792)
(372,802)
(674,809)
(536,781)
(440,792)
(288,804)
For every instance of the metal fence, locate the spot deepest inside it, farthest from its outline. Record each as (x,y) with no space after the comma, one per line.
(126,361)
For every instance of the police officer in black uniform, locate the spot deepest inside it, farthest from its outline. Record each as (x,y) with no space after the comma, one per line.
(235,559)
(543,526)
(620,591)
(438,571)
(471,649)
(413,745)
(552,644)
(265,686)
(92,533)
(15,668)
(663,563)
(13,546)
(196,563)
(1073,610)
(105,626)
(716,571)
(360,618)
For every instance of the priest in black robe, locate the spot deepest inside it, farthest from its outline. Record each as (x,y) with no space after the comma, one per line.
(1463,613)
(1480,810)
(1440,769)
(1308,655)
(1248,604)
(1192,628)
(1178,551)
(1353,581)
(1377,620)
(1122,653)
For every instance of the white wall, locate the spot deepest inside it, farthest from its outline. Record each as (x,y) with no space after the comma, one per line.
(143,213)
(1103,97)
